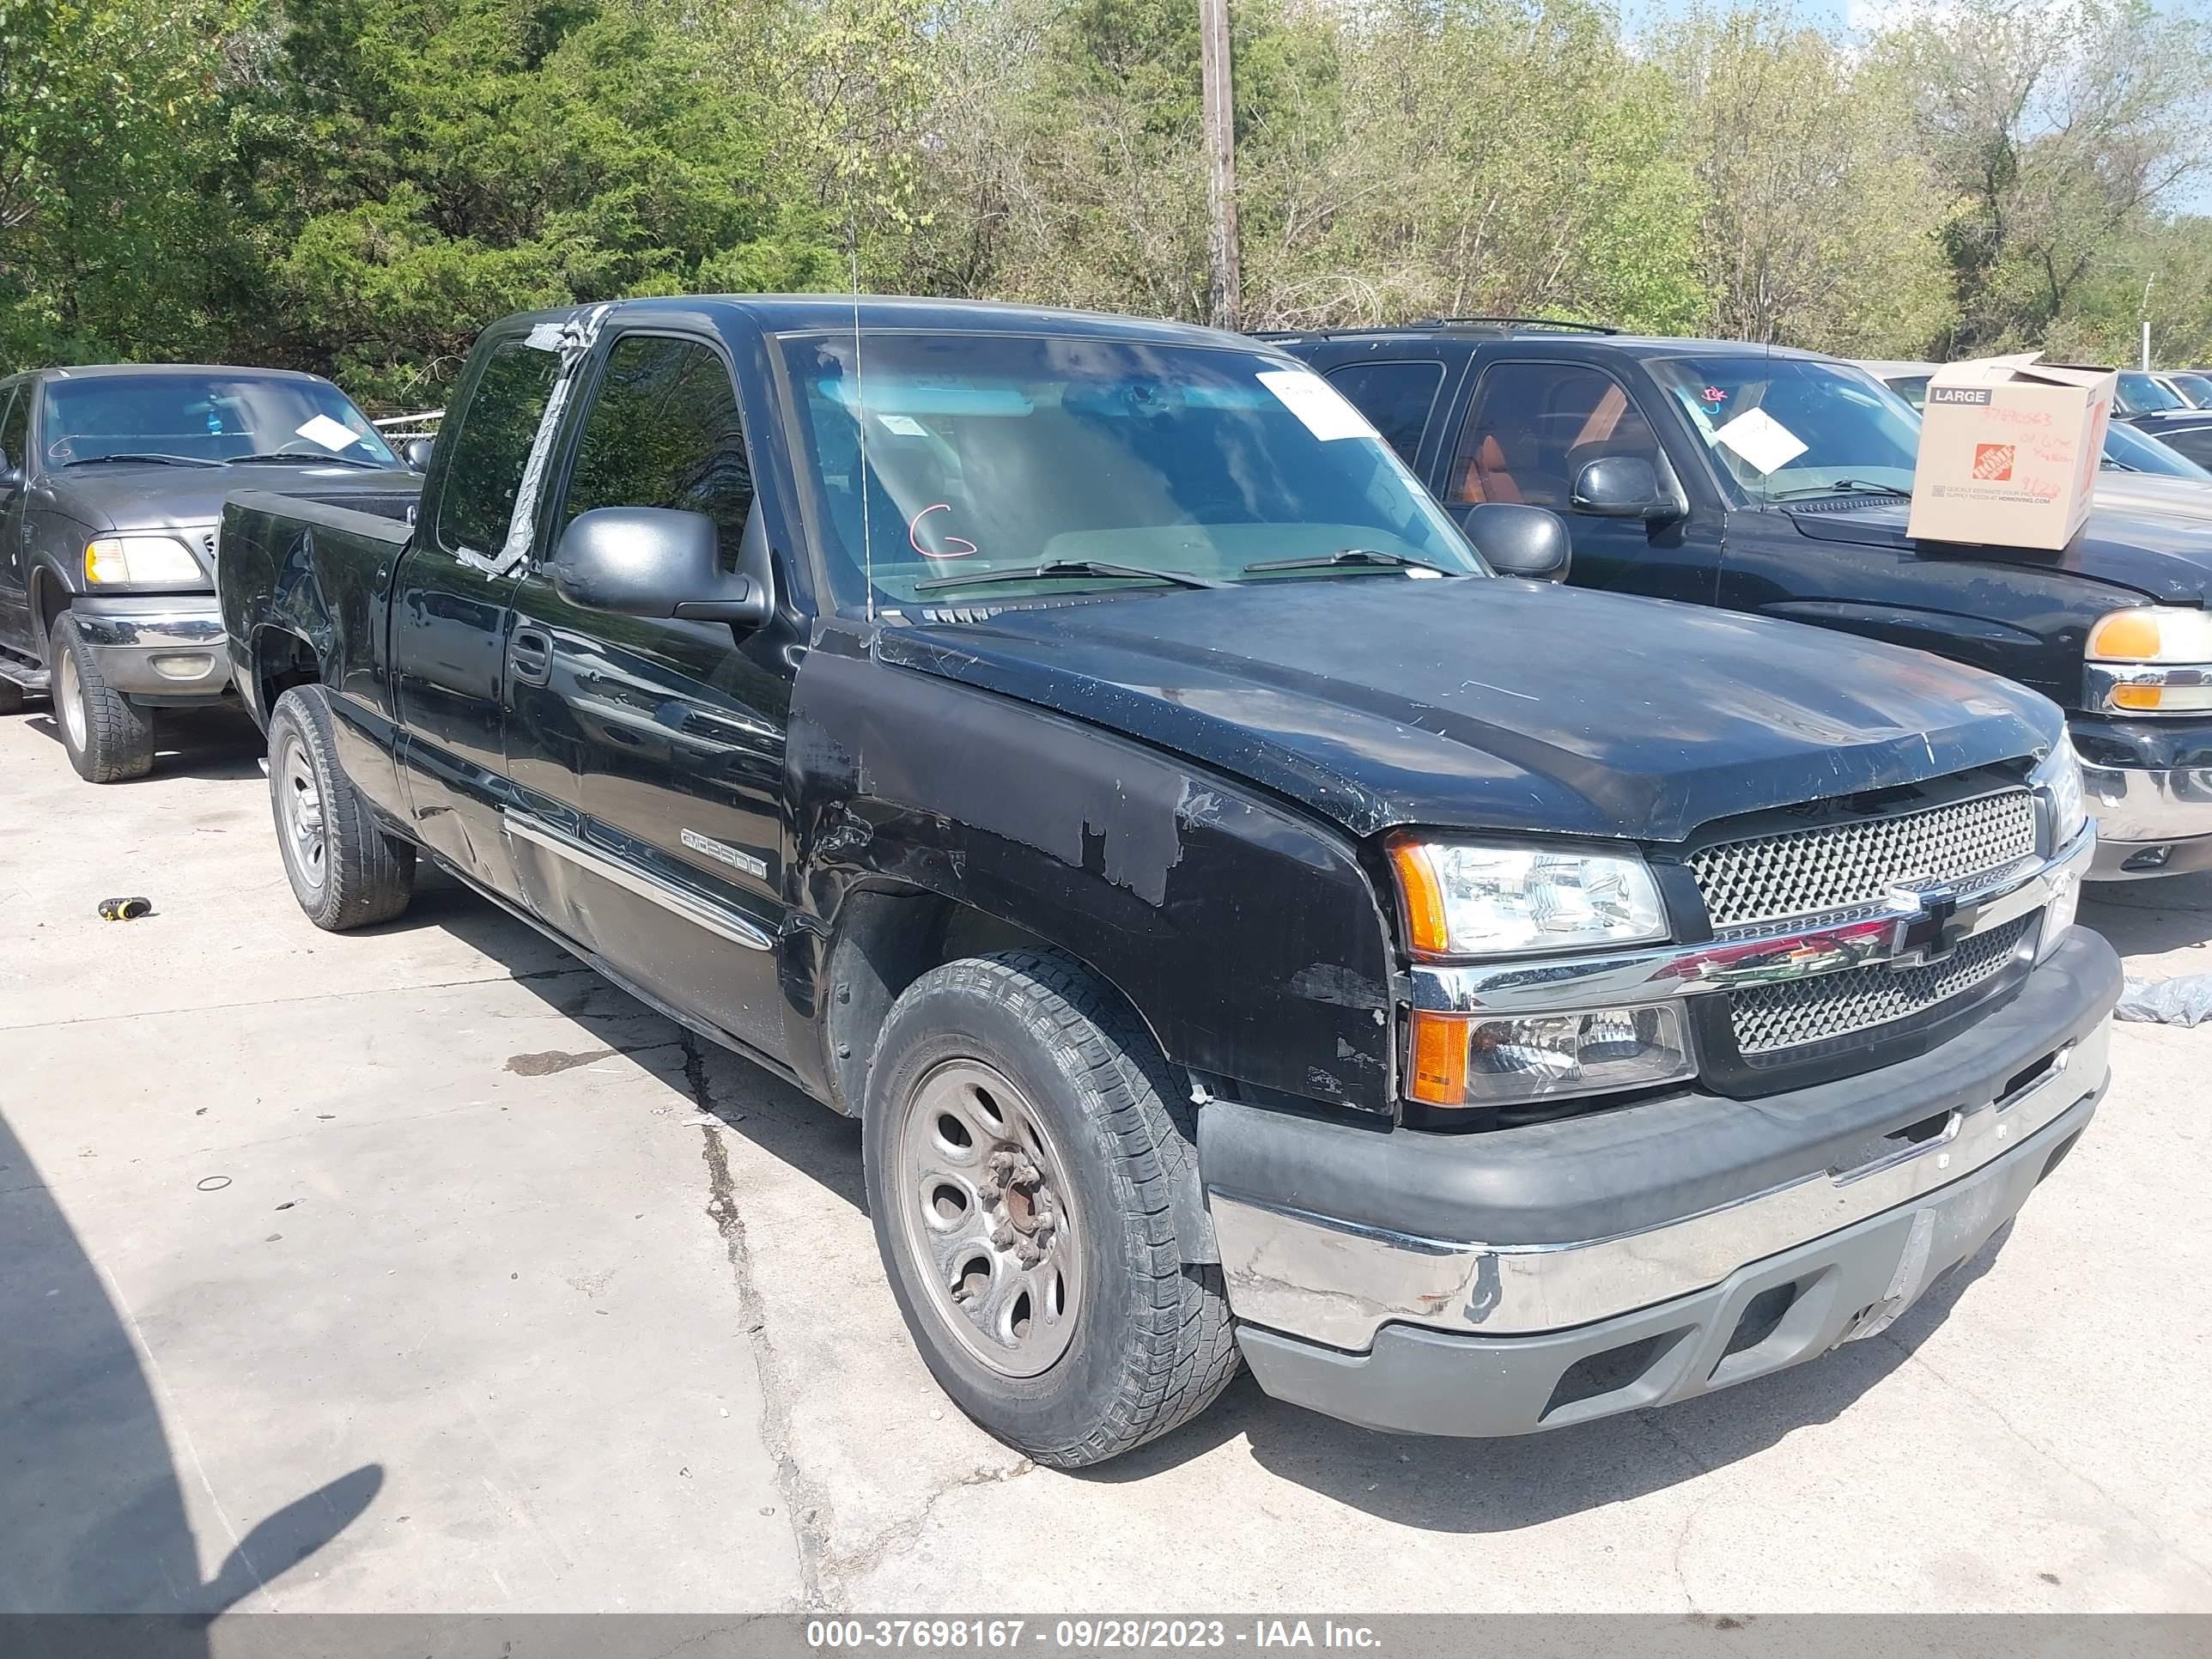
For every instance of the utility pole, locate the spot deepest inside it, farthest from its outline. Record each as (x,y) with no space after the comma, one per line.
(1220,161)
(2146,321)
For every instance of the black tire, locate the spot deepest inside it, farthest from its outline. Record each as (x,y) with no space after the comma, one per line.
(11,698)
(352,874)
(108,737)
(1150,1342)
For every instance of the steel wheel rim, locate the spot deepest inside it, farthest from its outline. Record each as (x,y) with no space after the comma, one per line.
(992,1225)
(69,698)
(300,809)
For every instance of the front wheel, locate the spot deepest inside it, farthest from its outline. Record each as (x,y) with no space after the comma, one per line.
(1020,1155)
(345,871)
(108,737)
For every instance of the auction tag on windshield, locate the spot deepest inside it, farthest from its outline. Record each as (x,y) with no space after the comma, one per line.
(1318,405)
(330,434)
(1761,440)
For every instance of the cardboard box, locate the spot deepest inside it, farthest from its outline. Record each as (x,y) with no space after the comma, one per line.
(2009,448)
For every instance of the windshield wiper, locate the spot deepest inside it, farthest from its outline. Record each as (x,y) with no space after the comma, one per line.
(1070,568)
(1849,486)
(164,460)
(300,458)
(1373,557)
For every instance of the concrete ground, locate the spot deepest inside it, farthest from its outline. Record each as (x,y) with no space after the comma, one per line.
(422,1270)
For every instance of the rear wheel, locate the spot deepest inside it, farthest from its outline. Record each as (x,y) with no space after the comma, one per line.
(344,871)
(1020,1155)
(108,737)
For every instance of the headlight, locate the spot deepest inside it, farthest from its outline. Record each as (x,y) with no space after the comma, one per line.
(1472,1061)
(2150,660)
(1464,900)
(120,561)
(2058,781)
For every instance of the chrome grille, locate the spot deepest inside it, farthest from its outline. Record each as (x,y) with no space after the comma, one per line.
(1838,868)
(1791,1013)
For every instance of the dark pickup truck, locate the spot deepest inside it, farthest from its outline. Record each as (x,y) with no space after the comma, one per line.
(112,480)
(1776,482)
(1245,922)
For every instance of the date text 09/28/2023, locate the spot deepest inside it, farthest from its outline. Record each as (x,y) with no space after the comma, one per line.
(1085,1635)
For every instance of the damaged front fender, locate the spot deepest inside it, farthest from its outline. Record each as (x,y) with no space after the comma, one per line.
(1244,933)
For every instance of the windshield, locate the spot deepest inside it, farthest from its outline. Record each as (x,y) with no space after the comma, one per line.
(2138,451)
(2139,394)
(218,417)
(2197,388)
(1785,428)
(1001,452)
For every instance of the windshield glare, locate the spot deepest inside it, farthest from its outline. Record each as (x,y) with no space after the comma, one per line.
(2137,451)
(988,452)
(1784,428)
(208,417)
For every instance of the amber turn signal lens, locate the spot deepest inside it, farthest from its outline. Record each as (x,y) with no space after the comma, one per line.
(1439,1060)
(2138,696)
(1423,897)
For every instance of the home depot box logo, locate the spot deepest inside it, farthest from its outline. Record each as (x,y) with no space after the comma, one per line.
(2008,452)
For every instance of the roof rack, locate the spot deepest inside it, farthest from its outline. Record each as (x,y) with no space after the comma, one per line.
(1566,325)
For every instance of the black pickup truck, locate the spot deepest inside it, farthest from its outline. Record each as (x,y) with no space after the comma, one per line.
(1776,482)
(112,480)
(1245,923)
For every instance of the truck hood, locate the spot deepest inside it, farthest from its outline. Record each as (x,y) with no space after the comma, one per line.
(2167,556)
(124,498)
(1493,703)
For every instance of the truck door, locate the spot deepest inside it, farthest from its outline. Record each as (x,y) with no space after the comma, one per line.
(15,520)
(450,614)
(648,755)
(1531,426)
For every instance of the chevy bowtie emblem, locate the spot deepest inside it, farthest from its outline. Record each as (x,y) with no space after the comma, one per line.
(1928,926)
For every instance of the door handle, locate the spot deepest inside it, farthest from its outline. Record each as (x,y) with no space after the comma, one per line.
(530,656)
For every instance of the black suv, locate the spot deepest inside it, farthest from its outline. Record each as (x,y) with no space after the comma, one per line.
(1762,479)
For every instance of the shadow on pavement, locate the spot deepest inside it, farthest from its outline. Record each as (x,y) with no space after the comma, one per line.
(92,1513)
(2150,918)
(218,744)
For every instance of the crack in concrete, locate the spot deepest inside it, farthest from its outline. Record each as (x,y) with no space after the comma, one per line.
(842,1571)
(805,1503)
(2052,1457)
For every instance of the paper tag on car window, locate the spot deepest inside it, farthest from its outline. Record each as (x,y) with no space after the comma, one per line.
(330,434)
(1319,405)
(1761,440)
(905,425)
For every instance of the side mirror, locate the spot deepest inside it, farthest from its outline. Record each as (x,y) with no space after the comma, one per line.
(654,561)
(417,452)
(11,476)
(1521,541)
(1621,487)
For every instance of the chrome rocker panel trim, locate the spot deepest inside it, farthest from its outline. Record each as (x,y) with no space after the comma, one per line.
(1793,950)
(716,919)
(1337,1283)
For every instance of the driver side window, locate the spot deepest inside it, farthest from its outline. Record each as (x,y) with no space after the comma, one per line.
(1533,429)
(664,430)
(15,427)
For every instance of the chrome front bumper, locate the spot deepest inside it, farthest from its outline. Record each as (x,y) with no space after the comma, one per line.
(159,647)
(2141,811)
(1477,1283)
(1338,1283)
